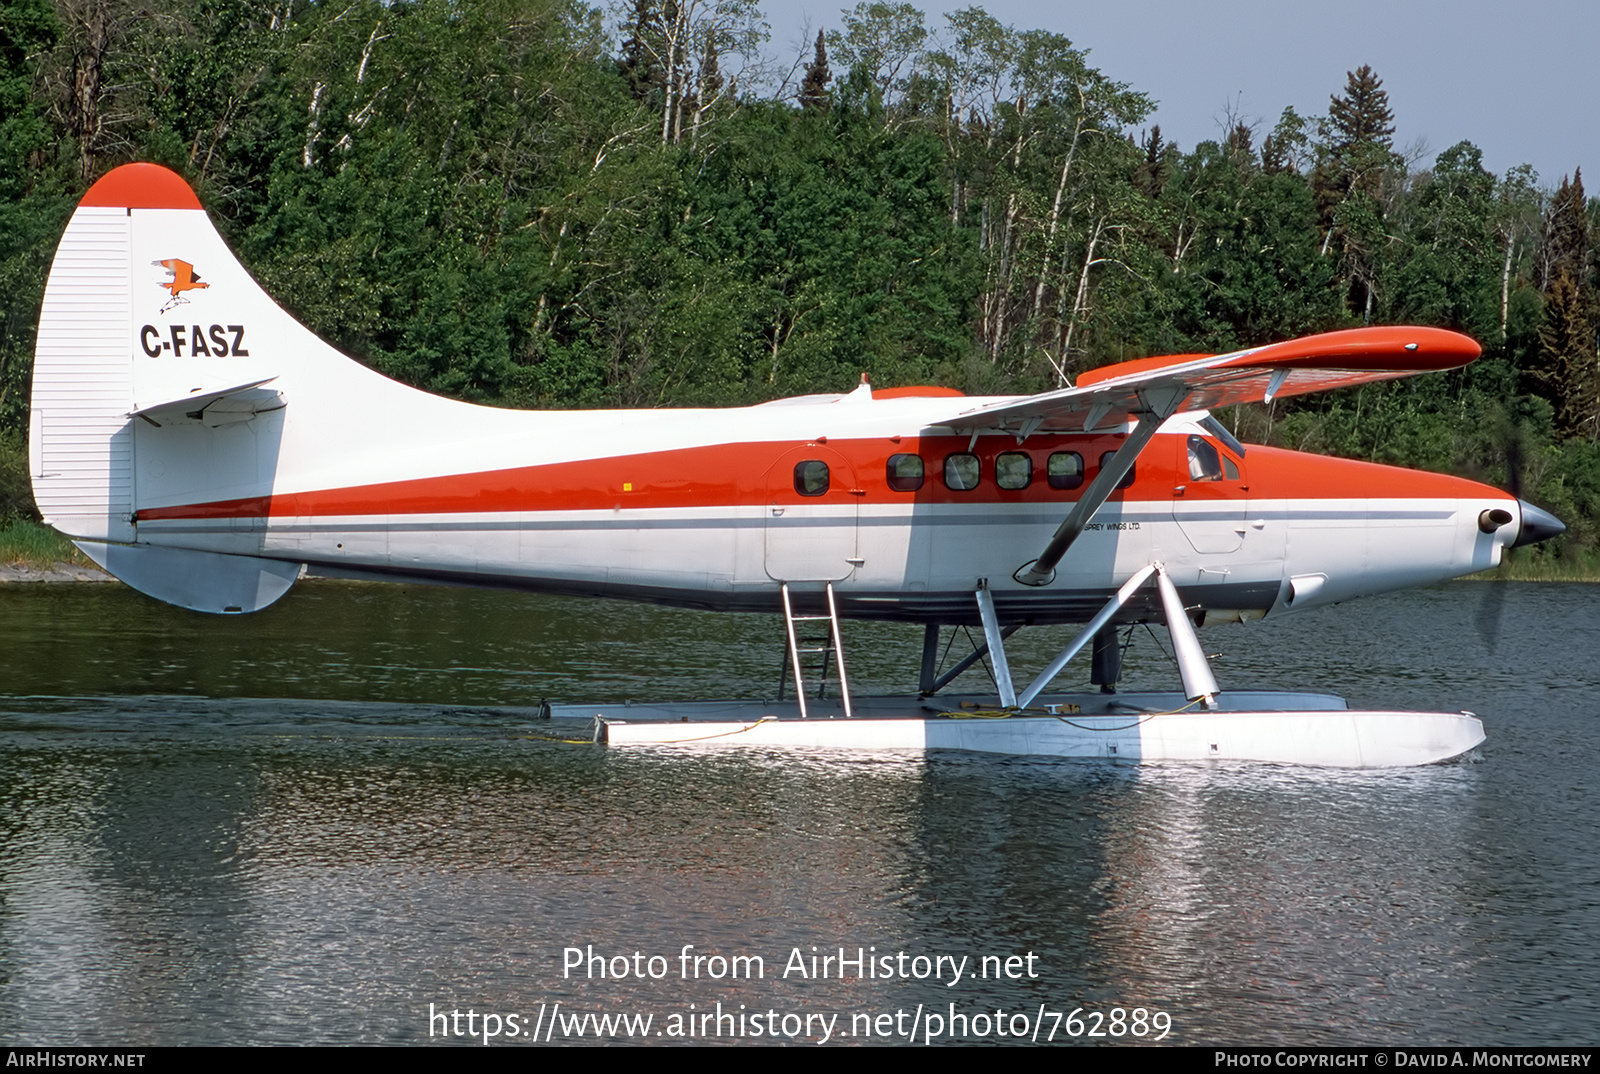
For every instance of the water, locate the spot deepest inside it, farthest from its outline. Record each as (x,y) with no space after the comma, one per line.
(194,853)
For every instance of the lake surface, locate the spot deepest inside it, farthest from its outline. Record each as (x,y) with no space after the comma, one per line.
(320,822)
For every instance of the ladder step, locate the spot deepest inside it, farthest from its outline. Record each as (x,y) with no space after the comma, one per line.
(803,651)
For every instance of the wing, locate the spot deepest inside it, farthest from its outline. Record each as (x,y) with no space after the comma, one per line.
(1150,390)
(1113,395)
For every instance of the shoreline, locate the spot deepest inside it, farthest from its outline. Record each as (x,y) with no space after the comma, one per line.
(61,571)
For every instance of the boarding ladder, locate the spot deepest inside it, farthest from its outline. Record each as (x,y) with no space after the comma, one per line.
(807,642)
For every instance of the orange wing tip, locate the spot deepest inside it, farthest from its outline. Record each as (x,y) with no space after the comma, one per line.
(141,186)
(1405,348)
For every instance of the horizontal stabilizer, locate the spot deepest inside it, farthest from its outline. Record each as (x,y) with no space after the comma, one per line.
(221,406)
(203,581)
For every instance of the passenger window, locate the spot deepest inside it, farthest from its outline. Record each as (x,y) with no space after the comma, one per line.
(1013,470)
(1230,469)
(1065,470)
(1205,463)
(1127,478)
(961,472)
(811,477)
(905,472)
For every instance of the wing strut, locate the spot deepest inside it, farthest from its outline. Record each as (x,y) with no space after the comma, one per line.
(1160,403)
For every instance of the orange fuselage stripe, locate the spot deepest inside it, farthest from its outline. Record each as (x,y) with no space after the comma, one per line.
(733,475)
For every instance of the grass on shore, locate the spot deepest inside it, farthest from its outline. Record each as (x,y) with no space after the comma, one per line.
(29,544)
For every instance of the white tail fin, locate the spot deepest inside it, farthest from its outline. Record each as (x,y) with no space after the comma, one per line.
(176,408)
(155,383)
(147,318)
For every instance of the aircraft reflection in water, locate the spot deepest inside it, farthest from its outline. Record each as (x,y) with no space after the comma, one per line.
(208,450)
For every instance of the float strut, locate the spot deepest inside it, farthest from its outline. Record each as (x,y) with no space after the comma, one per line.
(997,648)
(930,659)
(1198,682)
(966,661)
(1105,668)
(1101,619)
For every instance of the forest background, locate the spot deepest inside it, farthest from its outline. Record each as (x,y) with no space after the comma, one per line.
(538,203)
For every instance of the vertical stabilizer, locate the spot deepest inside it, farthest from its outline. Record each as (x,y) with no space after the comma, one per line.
(144,389)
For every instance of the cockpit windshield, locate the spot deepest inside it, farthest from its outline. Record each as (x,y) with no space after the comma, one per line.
(1220,431)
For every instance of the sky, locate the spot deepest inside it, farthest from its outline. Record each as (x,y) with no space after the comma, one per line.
(1519,81)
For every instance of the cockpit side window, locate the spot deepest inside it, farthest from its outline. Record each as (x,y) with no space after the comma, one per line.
(1205,462)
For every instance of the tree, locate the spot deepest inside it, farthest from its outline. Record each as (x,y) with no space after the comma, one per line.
(1361,117)
(1445,267)
(27,28)
(1042,170)
(1151,176)
(1564,248)
(1356,157)
(638,60)
(1286,148)
(1567,369)
(1569,372)
(1517,217)
(1241,263)
(33,208)
(814,87)
(883,40)
(683,40)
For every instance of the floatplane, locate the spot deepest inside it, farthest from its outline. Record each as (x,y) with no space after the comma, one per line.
(208,450)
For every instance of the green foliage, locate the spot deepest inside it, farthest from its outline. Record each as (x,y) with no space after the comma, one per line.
(850,261)
(883,41)
(26,28)
(492,201)
(1355,163)
(1241,258)
(1568,373)
(814,86)
(1448,269)
(27,543)
(16,491)
(29,230)
(33,210)
(1564,250)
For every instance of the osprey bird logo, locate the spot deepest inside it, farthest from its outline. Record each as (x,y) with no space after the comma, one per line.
(183,279)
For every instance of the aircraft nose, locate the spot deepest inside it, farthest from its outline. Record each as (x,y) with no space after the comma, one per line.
(1537,525)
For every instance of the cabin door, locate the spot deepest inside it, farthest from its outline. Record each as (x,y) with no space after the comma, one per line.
(1209,496)
(812,503)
